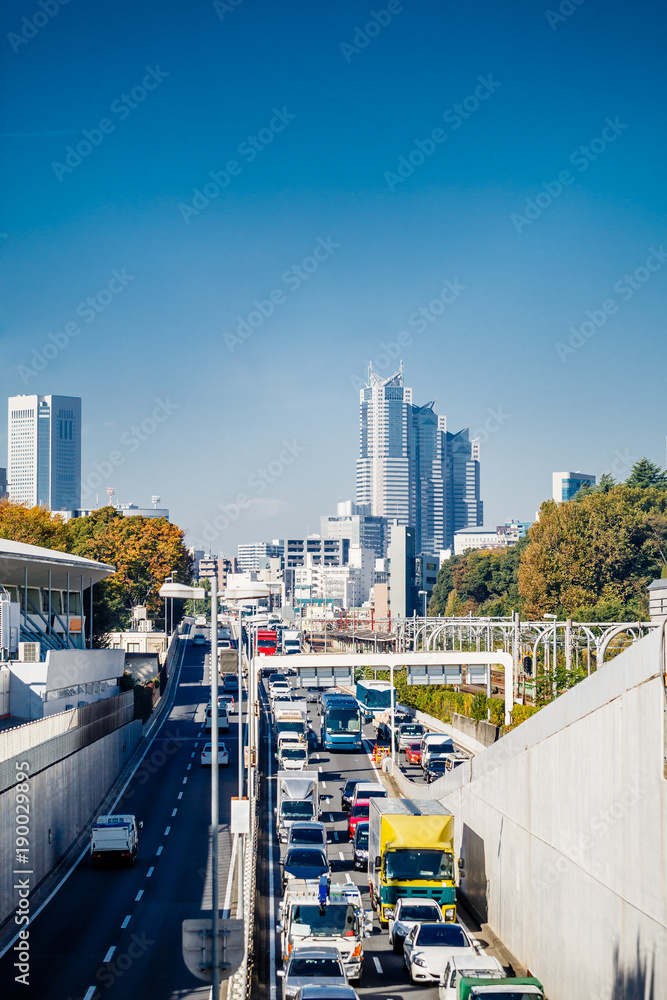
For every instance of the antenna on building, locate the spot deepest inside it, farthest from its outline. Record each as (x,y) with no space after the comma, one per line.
(111,492)
(155,501)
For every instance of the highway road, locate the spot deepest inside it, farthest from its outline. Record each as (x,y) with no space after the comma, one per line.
(116,933)
(383,975)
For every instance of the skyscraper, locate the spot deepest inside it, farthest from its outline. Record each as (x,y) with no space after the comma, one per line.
(464,507)
(384,465)
(410,469)
(44,467)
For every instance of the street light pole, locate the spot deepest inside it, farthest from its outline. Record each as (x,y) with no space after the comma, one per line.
(215,989)
(240,700)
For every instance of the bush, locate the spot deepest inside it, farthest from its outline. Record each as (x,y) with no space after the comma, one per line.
(478,707)
(522,712)
(496,708)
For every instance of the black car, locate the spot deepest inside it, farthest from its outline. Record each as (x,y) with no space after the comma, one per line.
(304,862)
(436,769)
(361,847)
(347,791)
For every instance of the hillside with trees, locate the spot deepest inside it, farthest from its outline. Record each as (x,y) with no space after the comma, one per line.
(591,558)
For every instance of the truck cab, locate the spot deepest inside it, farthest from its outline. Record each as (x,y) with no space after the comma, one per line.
(459,967)
(115,838)
(312,915)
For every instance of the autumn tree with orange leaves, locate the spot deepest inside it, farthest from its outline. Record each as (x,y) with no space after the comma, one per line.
(144,551)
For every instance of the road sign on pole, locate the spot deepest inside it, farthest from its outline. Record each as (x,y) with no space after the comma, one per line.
(197,940)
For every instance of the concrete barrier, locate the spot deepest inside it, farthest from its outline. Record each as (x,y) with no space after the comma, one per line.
(479,730)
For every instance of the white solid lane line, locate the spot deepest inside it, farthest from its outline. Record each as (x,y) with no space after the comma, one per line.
(377,964)
(150,871)
(109,954)
(138,895)
(126,921)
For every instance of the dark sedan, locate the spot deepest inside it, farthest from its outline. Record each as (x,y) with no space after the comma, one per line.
(304,862)
(347,792)
(436,768)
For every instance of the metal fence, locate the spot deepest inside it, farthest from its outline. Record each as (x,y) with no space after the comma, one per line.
(46,741)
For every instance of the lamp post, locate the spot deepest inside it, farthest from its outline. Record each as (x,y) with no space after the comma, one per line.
(424,594)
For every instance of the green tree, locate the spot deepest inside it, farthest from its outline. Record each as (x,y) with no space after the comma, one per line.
(646,474)
(455,607)
(607,483)
(606,546)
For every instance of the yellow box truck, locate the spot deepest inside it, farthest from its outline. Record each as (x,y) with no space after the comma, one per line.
(411,853)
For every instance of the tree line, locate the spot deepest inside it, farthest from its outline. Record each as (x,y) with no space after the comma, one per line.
(590,558)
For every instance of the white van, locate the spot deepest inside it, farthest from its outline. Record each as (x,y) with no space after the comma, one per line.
(223,718)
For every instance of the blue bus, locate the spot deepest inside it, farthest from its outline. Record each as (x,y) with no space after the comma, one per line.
(340,722)
(374,697)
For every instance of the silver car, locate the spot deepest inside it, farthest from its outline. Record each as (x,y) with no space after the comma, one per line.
(327,993)
(312,967)
(411,910)
(307,835)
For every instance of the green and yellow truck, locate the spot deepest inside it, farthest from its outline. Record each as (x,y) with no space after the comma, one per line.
(411,853)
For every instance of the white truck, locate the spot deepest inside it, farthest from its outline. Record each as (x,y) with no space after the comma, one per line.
(291,641)
(310,917)
(298,800)
(114,838)
(291,717)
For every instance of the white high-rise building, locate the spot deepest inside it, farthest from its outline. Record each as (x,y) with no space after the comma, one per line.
(411,470)
(44,466)
(384,474)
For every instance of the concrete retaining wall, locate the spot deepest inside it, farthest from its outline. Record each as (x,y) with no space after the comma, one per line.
(480,731)
(63,798)
(563,825)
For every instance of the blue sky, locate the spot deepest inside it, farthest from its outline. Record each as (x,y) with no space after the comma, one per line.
(534,199)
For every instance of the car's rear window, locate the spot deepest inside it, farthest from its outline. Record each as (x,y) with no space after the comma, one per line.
(315,967)
(448,934)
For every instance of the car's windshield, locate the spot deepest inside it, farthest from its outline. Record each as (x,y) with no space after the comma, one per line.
(413,864)
(343,720)
(411,730)
(349,786)
(374,793)
(336,920)
(293,753)
(305,856)
(419,912)
(362,836)
(290,727)
(361,810)
(449,934)
(440,748)
(305,836)
(297,810)
(307,967)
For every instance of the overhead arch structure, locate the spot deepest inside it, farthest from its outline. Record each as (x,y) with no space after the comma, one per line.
(423,668)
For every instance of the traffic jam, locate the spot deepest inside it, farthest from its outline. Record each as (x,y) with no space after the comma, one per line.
(401,851)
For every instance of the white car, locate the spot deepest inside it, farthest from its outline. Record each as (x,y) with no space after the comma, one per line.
(428,948)
(207,753)
(411,910)
(483,966)
(307,835)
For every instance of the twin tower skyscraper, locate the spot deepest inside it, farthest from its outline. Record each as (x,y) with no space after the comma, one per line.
(412,469)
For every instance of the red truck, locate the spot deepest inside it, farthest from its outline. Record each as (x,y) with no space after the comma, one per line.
(267,642)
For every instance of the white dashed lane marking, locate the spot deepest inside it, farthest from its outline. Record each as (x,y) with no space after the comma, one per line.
(109,954)
(159,850)
(150,872)
(377,964)
(138,895)
(126,921)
